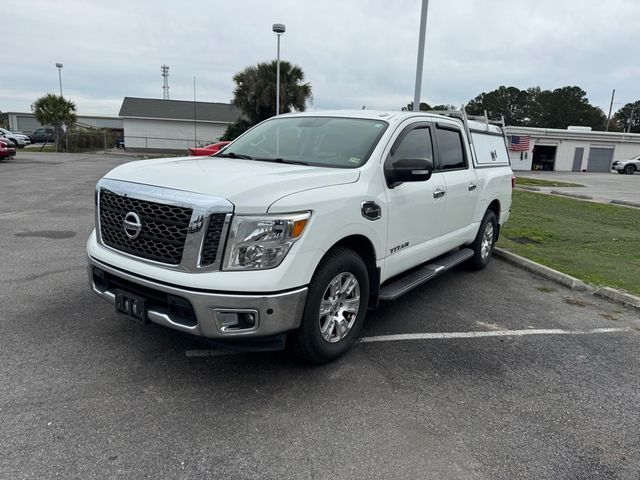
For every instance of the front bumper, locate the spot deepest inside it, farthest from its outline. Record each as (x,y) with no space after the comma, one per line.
(275,313)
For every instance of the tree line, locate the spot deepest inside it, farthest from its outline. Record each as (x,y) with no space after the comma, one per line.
(557,108)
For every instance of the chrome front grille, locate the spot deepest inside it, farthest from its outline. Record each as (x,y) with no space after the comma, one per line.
(181,230)
(163,232)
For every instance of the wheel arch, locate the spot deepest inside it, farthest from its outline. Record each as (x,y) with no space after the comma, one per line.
(362,246)
(495,207)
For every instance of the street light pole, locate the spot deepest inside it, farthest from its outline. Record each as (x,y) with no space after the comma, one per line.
(423,33)
(59,65)
(278,29)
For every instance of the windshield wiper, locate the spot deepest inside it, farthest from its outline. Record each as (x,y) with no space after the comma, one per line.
(282,160)
(235,155)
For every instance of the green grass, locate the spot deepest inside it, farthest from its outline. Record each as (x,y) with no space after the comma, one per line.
(597,243)
(538,182)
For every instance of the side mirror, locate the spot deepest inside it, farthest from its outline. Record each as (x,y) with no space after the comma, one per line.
(409,170)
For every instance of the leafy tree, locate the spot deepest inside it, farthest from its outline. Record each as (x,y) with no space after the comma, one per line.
(56,111)
(622,116)
(4,120)
(235,129)
(534,107)
(563,107)
(255,92)
(510,102)
(425,106)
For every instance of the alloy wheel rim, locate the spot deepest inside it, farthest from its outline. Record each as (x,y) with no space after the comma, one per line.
(487,241)
(339,307)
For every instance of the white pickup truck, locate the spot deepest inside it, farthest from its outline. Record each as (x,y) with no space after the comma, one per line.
(292,232)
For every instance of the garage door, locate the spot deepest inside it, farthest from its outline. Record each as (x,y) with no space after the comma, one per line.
(600,159)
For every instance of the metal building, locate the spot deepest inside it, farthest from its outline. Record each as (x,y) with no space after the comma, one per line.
(174,125)
(576,149)
(26,122)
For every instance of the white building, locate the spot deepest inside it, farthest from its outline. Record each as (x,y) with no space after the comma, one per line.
(173,125)
(576,149)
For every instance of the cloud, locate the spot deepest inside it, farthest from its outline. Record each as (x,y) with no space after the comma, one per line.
(361,52)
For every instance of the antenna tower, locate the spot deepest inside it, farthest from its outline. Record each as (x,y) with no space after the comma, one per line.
(165,81)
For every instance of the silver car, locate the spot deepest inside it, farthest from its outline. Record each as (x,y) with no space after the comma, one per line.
(627,166)
(17,139)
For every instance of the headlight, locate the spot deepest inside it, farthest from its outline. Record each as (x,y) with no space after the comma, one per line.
(258,243)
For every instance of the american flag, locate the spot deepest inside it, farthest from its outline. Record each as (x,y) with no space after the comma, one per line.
(519,143)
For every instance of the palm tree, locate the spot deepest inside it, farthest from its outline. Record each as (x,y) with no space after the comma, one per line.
(56,111)
(255,92)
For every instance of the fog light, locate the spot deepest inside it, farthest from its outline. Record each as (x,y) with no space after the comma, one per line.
(228,321)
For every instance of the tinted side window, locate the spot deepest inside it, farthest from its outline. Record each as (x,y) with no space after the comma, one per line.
(450,150)
(415,144)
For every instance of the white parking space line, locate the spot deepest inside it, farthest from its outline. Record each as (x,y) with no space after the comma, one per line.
(209,353)
(493,333)
(440,336)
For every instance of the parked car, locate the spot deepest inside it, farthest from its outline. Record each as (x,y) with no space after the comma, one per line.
(7,149)
(43,134)
(300,226)
(17,139)
(627,166)
(208,150)
(20,135)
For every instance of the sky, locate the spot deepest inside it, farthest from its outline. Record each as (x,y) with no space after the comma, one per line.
(354,53)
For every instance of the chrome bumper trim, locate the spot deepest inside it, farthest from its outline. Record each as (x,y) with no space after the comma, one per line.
(277,313)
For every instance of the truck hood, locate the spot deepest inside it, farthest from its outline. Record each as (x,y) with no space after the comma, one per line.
(252,186)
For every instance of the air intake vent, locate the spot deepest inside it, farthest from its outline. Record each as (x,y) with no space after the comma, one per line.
(212,239)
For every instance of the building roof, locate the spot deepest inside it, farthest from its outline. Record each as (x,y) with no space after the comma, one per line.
(179,110)
(561,134)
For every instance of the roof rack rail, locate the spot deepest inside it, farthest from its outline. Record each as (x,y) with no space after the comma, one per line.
(462,115)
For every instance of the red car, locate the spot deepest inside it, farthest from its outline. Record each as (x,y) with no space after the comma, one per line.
(208,150)
(6,149)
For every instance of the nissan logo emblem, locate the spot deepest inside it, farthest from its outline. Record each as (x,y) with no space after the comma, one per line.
(132,225)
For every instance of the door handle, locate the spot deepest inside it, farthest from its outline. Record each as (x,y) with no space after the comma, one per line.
(472,187)
(439,192)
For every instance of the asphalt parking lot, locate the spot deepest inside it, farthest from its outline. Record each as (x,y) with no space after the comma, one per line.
(501,374)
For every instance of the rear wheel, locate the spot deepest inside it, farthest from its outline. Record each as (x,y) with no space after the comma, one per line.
(336,307)
(482,246)
(630,169)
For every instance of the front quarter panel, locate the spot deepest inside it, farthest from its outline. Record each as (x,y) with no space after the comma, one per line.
(336,214)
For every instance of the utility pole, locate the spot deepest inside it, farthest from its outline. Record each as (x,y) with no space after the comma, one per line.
(613,94)
(423,33)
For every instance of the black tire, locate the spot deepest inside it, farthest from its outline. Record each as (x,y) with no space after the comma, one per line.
(308,342)
(630,169)
(481,257)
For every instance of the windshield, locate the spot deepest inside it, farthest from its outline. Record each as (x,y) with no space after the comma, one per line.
(318,141)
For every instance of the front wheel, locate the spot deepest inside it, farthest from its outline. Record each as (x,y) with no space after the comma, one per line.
(336,307)
(482,246)
(630,169)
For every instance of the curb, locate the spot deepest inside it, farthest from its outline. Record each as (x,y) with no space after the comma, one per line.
(527,187)
(574,195)
(626,203)
(618,296)
(546,272)
(567,280)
